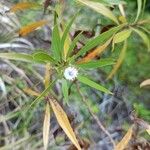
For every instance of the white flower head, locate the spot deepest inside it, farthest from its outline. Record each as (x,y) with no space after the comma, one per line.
(70,73)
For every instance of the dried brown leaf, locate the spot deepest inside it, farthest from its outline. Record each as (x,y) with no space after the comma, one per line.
(31,27)
(23,5)
(145,83)
(95,52)
(124,142)
(64,122)
(46,126)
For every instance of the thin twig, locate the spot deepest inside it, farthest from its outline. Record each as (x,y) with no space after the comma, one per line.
(94,116)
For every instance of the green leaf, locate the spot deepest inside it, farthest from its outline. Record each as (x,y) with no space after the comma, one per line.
(119,61)
(92,84)
(100,8)
(73,43)
(101,39)
(139,2)
(65,90)
(64,36)
(40,56)
(17,56)
(56,42)
(122,36)
(144,37)
(114,2)
(96,64)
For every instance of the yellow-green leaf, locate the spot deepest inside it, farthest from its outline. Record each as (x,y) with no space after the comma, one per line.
(124,142)
(31,27)
(100,8)
(24,5)
(119,61)
(64,122)
(66,46)
(122,19)
(46,126)
(148,131)
(122,36)
(145,38)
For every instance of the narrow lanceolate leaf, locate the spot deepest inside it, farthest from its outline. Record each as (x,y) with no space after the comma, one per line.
(17,56)
(66,32)
(114,2)
(31,92)
(139,2)
(47,75)
(122,36)
(56,42)
(101,39)
(124,142)
(65,90)
(145,83)
(95,52)
(31,27)
(66,47)
(64,122)
(23,6)
(93,84)
(73,44)
(40,56)
(44,93)
(46,126)
(100,8)
(96,64)
(119,61)
(144,36)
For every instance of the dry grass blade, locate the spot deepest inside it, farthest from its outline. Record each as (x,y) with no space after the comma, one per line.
(31,27)
(46,126)
(95,52)
(119,61)
(47,74)
(145,83)
(23,5)
(123,143)
(31,92)
(64,122)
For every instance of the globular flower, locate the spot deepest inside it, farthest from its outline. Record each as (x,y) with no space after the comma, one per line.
(70,73)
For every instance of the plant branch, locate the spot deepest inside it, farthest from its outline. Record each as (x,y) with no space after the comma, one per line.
(94,116)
